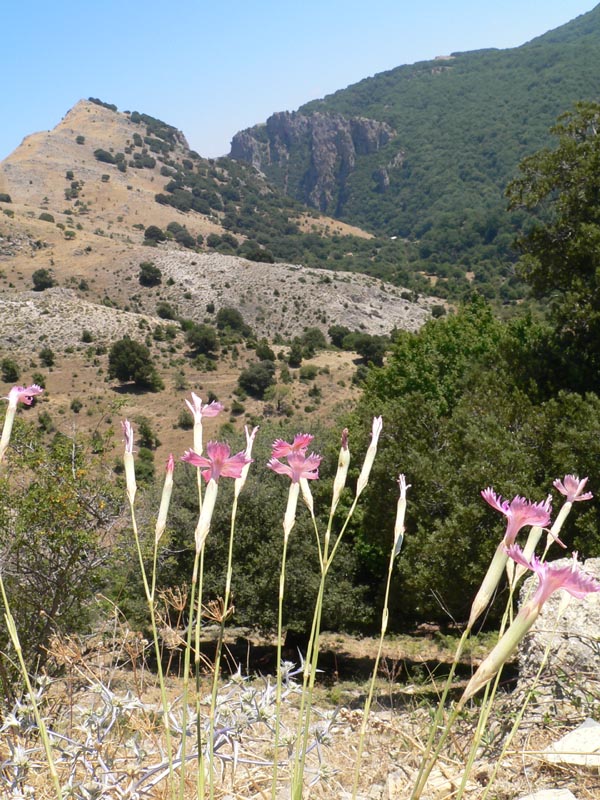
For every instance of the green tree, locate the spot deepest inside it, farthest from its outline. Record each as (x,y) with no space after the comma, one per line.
(10,370)
(47,357)
(257,377)
(129,360)
(154,234)
(42,279)
(150,275)
(560,188)
(202,339)
(58,507)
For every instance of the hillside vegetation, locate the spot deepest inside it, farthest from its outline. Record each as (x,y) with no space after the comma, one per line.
(461,124)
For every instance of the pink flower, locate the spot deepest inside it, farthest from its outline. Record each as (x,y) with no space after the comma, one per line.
(572,488)
(128,435)
(218,463)
(281,449)
(199,411)
(170,464)
(519,512)
(552,577)
(299,466)
(23,394)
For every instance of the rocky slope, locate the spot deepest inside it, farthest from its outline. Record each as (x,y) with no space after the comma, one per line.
(327,146)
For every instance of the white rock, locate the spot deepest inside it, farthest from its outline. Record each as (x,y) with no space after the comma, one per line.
(581,746)
(550,794)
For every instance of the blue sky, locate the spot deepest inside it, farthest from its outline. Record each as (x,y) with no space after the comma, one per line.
(213,68)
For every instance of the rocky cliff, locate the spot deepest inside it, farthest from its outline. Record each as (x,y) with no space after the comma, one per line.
(324,149)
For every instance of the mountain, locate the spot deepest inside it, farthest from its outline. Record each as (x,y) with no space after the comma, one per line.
(84,206)
(424,152)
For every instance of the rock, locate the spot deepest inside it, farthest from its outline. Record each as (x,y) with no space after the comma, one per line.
(327,143)
(581,746)
(573,664)
(550,794)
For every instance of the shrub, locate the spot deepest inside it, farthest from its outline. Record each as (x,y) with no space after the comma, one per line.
(129,360)
(80,139)
(231,318)
(154,234)
(165,310)
(46,217)
(257,378)
(202,339)
(10,370)
(150,275)
(104,156)
(42,279)
(76,405)
(5,198)
(46,357)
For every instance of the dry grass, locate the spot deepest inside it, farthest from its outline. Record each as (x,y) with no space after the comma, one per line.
(107,674)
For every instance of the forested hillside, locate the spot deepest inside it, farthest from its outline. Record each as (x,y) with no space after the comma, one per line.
(460,125)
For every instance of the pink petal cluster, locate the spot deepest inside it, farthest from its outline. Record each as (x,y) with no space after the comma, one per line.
(219,463)
(281,449)
(198,410)
(572,488)
(299,466)
(23,394)
(553,577)
(518,512)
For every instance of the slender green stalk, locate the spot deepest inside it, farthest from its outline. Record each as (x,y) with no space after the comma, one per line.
(150,593)
(396,545)
(12,630)
(219,649)
(186,675)
(520,714)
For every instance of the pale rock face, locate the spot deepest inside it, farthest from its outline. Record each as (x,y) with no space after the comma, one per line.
(330,144)
(573,666)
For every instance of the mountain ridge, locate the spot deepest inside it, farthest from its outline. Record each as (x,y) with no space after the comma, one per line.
(462,124)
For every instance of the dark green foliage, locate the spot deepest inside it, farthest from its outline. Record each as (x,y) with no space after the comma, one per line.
(146,435)
(5,198)
(150,275)
(129,360)
(10,370)
(42,279)
(47,357)
(370,348)
(337,334)
(76,405)
(104,156)
(313,339)
(46,217)
(231,319)
(57,507)
(80,139)
(257,377)
(165,310)
(263,351)
(561,189)
(256,552)
(295,354)
(202,339)
(98,102)
(462,125)
(154,234)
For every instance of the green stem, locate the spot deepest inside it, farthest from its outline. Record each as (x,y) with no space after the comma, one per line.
(150,592)
(279,646)
(12,630)
(219,649)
